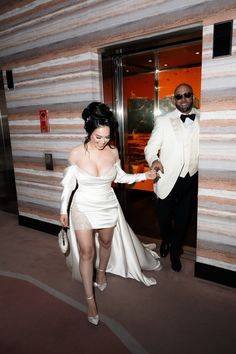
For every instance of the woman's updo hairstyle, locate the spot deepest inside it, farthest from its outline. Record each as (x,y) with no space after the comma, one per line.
(96,115)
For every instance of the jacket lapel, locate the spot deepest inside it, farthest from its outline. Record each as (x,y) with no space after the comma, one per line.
(176,124)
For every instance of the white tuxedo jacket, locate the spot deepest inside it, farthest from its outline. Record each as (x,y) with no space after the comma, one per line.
(167,138)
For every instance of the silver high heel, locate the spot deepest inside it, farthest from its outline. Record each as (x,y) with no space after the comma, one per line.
(93,319)
(102,286)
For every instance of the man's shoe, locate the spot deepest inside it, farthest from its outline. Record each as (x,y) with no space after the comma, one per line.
(164,249)
(176,264)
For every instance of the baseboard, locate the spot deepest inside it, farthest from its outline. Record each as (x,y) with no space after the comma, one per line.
(39,225)
(215,274)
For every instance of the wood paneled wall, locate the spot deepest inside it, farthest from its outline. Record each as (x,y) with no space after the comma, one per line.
(52,48)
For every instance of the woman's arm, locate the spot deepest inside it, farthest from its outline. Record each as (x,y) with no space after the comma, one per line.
(123,177)
(69,184)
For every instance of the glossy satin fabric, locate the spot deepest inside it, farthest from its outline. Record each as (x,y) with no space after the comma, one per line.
(95,206)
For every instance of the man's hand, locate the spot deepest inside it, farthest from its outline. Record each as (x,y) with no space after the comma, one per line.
(157,165)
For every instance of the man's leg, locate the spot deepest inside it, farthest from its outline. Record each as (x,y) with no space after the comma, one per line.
(186,198)
(165,213)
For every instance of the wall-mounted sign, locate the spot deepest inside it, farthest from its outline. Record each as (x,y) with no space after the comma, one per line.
(44,124)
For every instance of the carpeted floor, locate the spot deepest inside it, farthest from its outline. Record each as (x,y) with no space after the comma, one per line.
(42,309)
(35,322)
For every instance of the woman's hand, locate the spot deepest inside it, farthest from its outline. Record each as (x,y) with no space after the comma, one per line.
(151,174)
(64,220)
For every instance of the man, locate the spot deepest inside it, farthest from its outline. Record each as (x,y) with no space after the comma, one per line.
(173,150)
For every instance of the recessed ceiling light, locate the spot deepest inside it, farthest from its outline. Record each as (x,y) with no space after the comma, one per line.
(165,64)
(197,53)
(150,60)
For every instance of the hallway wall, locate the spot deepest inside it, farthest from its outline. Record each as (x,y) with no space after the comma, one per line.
(52,48)
(217,184)
(63,86)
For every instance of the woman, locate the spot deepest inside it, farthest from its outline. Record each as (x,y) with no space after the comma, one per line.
(95,210)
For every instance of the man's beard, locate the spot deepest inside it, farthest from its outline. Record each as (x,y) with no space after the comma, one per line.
(186,109)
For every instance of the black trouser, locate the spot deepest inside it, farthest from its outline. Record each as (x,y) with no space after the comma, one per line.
(175,210)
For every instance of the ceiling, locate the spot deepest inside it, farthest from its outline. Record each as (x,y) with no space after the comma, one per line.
(187,55)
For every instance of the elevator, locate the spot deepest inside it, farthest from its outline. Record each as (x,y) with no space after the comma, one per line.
(139,79)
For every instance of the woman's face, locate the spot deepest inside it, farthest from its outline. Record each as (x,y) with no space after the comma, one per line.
(100,137)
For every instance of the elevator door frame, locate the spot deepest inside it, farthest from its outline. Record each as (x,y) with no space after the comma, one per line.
(8,198)
(135,197)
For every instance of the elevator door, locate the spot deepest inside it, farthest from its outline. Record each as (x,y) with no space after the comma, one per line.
(8,200)
(143,90)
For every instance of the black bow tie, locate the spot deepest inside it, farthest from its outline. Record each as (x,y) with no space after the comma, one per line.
(190,116)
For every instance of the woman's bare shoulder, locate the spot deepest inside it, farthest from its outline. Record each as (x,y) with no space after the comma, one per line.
(76,153)
(115,153)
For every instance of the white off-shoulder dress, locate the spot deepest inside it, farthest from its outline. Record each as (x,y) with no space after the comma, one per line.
(95,206)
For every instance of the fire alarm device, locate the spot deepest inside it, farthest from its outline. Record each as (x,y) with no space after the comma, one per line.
(44,123)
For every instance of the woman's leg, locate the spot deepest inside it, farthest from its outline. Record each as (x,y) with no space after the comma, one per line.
(105,239)
(85,240)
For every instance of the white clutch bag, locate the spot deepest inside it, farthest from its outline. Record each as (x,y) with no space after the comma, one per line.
(63,240)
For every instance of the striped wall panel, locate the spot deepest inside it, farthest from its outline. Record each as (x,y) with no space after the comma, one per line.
(39,22)
(63,87)
(47,28)
(217,186)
